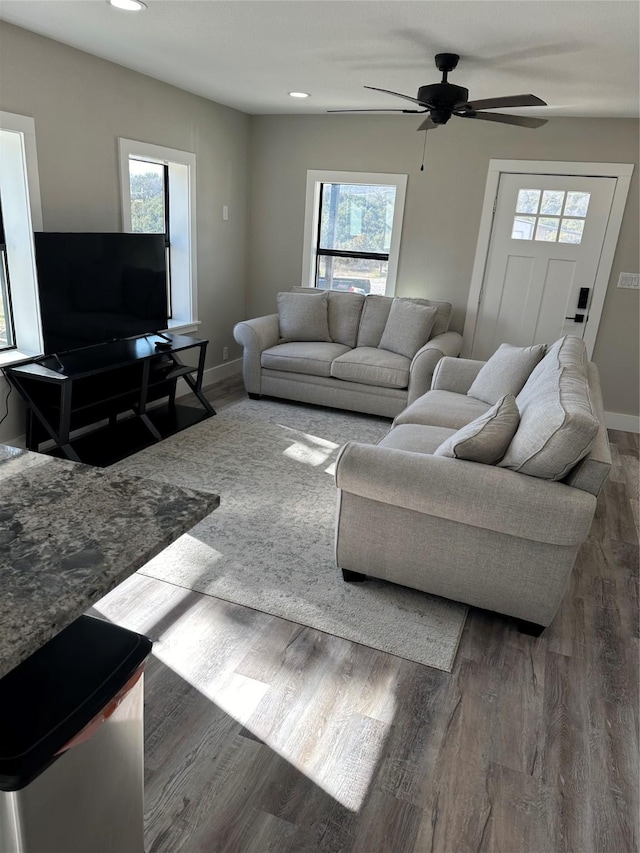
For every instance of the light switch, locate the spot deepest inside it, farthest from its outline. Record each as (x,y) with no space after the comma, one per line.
(630,280)
(225,212)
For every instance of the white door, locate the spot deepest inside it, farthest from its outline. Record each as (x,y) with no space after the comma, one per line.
(545,247)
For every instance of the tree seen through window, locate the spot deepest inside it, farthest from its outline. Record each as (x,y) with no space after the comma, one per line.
(356,222)
(147,187)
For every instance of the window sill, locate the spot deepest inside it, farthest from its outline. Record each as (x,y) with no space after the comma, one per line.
(14,356)
(181,327)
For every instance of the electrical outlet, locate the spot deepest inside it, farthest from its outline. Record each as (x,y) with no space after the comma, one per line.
(225,353)
(629,280)
(225,212)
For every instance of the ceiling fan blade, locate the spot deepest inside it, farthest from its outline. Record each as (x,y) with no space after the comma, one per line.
(397,95)
(379,110)
(521,121)
(507,101)
(427,124)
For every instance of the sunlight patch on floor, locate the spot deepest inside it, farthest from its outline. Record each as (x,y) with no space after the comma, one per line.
(160,609)
(194,557)
(309,449)
(337,747)
(237,695)
(334,737)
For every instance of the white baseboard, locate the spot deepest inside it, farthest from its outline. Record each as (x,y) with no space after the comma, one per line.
(213,374)
(624,423)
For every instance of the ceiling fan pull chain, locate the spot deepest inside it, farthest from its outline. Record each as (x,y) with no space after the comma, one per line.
(423,151)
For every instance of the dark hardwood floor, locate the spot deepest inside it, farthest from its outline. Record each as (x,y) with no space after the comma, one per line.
(262,735)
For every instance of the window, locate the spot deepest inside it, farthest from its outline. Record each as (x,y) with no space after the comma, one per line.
(352,231)
(149,194)
(149,189)
(159,197)
(7,335)
(20,215)
(553,216)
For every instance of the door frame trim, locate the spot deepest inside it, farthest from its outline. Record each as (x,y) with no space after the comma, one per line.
(621,171)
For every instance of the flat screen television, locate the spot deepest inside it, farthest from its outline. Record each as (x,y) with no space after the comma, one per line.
(99,287)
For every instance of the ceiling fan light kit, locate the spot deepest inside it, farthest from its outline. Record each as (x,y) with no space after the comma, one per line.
(128,5)
(443,100)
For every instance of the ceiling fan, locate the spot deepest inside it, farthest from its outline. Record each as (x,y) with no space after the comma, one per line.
(443,100)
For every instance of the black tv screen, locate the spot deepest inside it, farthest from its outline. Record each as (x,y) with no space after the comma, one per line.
(99,287)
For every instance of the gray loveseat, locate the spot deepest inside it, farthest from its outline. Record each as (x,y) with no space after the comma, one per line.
(345,365)
(489,535)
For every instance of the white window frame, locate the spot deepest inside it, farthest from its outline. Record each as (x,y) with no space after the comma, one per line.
(316,177)
(22,215)
(182,223)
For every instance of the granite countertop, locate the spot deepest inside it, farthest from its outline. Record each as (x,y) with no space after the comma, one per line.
(69,534)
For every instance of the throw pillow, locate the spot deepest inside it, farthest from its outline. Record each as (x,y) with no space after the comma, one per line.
(506,372)
(487,438)
(373,320)
(303,317)
(408,327)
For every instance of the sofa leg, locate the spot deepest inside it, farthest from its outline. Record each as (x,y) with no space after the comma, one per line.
(353,577)
(255,396)
(530,628)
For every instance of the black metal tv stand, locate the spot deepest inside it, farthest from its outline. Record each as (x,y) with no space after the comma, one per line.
(101,403)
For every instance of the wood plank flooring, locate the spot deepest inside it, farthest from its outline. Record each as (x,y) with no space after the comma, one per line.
(263,735)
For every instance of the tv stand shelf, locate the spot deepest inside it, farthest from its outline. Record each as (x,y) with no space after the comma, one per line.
(114,382)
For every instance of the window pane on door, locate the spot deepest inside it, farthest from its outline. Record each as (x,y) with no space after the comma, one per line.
(571,231)
(146,182)
(357,217)
(547,229)
(577,204)
(357,275)
(528,201)
(523,227)
(552,202)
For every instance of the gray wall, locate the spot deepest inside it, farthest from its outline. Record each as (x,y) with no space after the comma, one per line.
(442,211)
(81,105)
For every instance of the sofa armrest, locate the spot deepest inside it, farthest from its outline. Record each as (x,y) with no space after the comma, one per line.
(426,359)
(455,374)
(467,492)
(255,336)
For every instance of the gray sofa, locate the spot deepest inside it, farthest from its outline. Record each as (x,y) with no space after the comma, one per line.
(346,368)
(492,536)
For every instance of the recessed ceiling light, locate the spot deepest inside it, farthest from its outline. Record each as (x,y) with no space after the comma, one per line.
(298,94)
(128,5)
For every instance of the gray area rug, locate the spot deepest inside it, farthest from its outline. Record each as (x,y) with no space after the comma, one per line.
(270,544)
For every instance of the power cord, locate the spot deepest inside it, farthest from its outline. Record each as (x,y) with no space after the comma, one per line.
(6,399)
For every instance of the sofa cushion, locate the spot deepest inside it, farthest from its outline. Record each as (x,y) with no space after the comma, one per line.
(372,366)
(505,372)
(376,313)
(487,437)
(443,316)
(557,420)
(408,327)
(308,357)
(416,438)
(303,317)
(442,408)
(344,317)
(344,313)
(373,320)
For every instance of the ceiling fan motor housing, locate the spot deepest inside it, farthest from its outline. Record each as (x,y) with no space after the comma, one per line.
(442,99)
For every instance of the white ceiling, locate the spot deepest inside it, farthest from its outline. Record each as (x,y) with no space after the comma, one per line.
(581,56)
